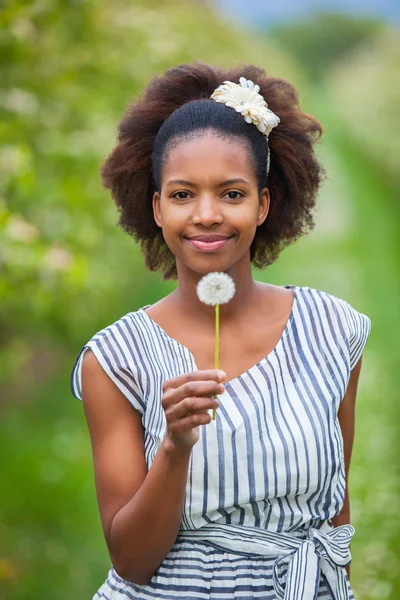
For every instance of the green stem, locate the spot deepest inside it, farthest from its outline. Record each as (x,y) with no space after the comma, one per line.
(216,359)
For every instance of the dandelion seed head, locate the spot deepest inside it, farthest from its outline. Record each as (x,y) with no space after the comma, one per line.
(216,288)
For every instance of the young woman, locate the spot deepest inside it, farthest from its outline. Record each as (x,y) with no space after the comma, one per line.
(208,178)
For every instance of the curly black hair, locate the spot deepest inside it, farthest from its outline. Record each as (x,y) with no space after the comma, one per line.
(132,171)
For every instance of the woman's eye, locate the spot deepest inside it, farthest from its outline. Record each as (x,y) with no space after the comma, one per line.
(234,195)
(181,195)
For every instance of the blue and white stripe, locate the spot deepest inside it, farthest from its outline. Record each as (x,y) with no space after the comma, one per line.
(272,460)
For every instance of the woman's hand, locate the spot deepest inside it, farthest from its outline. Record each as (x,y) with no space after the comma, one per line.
(186,400)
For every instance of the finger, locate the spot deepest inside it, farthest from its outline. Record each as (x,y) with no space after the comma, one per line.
(190,406)
(175,382)
(190,389)
(188,423)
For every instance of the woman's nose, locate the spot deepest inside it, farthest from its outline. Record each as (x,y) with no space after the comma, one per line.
(207,211)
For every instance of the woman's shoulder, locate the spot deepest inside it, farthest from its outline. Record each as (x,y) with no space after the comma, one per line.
(339,316)
(328,300)
(118,348)
(127,324)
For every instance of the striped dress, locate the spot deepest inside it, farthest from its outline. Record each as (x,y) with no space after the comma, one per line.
(267,476)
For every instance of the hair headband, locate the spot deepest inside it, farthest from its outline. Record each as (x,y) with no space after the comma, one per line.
(246,100)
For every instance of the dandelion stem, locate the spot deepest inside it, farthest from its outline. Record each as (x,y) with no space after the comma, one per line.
(216,360)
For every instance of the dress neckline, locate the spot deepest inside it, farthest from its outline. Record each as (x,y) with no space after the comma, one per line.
(276,348)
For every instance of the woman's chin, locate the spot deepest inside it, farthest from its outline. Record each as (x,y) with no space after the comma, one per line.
(202,267)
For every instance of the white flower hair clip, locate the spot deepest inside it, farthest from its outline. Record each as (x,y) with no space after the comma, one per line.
(245,99)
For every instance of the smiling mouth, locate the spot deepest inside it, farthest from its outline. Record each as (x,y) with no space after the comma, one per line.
(209,244)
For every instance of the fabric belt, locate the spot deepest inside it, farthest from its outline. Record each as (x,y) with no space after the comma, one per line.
(308,554)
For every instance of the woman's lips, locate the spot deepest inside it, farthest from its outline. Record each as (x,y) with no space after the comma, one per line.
(208,246)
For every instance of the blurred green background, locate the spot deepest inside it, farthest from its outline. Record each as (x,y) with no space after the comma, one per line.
(68,70)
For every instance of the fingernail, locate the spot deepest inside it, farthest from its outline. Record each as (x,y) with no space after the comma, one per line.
(221,375)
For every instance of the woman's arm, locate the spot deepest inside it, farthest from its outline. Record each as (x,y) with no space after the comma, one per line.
(141,509)
(347,419)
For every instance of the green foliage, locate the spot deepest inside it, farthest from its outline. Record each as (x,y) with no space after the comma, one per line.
(368,104)
(323,39)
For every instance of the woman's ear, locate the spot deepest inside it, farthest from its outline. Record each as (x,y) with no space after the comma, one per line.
(263,207)
(156,208)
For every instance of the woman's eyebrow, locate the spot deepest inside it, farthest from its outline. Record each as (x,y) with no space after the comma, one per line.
(232,182)
(180,182)
(223,183)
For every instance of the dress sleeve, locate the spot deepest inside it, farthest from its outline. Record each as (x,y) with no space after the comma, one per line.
(358,328)
(114,355)
(359,334)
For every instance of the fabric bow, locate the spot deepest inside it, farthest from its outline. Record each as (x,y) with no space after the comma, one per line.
(321,552)
(308,554)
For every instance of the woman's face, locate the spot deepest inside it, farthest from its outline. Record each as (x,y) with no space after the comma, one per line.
(209,206)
